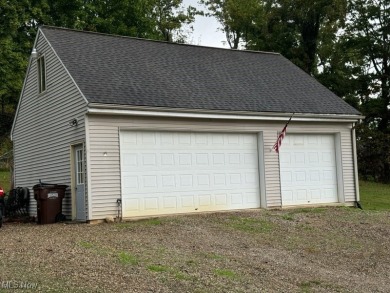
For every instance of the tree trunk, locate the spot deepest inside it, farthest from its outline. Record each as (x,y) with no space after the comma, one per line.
(310,30)
(385,97)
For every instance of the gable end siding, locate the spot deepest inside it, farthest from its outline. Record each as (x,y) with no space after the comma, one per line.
(42,135)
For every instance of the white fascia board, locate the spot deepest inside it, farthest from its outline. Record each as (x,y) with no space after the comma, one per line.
(174,113)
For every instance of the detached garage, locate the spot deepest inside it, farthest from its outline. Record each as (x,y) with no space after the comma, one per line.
(143,128)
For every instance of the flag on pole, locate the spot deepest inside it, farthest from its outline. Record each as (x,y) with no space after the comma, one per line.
(278,143)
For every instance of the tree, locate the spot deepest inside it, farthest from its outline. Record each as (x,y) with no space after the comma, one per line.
(120,17)
(294,28)
(14,43)
(64,13)
(153,19)
(170,16)
(238,18)
(373,148)
(290,27)
(367,34)
(20,19)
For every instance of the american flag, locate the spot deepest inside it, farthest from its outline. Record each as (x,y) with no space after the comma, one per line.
(278,143)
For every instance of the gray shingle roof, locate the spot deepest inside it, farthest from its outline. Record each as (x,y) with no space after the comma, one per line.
(128,71)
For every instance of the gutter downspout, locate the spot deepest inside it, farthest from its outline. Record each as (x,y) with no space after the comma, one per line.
(355,165)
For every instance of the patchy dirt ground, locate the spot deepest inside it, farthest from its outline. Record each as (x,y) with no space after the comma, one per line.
(305,250)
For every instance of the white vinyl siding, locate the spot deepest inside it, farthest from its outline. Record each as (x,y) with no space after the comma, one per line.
(42,135)
(105,172)
(347,166)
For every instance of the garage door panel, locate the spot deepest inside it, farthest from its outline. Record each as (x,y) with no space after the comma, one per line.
(288,195)
(308,177)
(328,158)
(329,176)
(150,204)
(301,194)
(132,204)
(173,181)
(204,200)
(285,157)
(174,172)
(251,199)
(315,176)
(286,176)
(308,169)
(181,202)
(153,161)
(176,140)
(315,194)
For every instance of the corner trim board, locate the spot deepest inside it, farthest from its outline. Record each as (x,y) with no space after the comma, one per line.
(355,163)
(88,169)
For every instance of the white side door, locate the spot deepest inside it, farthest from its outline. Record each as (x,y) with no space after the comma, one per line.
(80,182)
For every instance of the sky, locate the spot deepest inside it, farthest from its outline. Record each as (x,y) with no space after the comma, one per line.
(206,31)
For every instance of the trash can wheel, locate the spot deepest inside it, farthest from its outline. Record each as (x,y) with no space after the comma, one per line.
(60,217)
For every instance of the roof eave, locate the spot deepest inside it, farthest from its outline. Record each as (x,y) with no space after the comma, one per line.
(114,109)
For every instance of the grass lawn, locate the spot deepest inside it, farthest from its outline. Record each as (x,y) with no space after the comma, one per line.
(340,249)
(374,196)
(5,179)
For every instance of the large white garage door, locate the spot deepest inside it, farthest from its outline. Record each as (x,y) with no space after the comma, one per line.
(308,169)
(181,172)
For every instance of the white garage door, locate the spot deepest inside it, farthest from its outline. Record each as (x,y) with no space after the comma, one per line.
(308,169)
(181,172)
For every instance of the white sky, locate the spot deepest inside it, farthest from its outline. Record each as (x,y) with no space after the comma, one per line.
(206,31)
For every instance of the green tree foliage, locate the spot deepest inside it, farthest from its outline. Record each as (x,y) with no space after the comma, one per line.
(373,149)
(170,17)
(368,33)
(367,36)
(295,28)
(19,21)
(290,27)
(13,48)
(238,18)
(121,17)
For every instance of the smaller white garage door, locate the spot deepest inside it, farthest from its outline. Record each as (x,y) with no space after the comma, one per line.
(182,172)
(308,169)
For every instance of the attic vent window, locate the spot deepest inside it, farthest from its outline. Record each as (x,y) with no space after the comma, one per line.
(41,74)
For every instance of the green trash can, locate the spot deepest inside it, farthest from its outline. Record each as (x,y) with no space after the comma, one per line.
(49,202)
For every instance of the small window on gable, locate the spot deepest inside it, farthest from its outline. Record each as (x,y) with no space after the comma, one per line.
(41,74)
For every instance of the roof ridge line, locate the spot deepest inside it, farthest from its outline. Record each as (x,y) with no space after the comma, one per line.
(156,41)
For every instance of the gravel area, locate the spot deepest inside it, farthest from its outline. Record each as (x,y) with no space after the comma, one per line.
(303,250)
